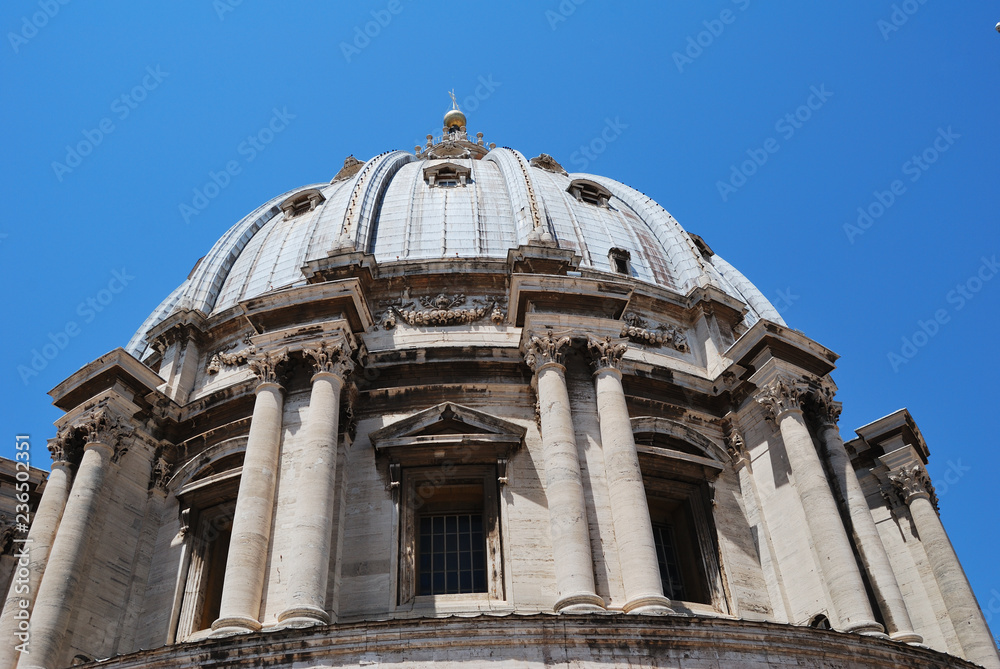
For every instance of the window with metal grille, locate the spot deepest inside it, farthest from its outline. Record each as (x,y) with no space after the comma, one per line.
(666,556)
(452,552)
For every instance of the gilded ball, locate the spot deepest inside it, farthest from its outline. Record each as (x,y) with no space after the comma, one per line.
(454,118)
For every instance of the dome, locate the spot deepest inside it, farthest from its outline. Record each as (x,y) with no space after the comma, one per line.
(453,200)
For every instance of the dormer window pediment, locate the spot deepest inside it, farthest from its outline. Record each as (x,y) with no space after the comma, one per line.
(447,175)
(591,192)
(301,202)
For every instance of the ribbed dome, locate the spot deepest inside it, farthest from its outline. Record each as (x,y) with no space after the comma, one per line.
(391,209)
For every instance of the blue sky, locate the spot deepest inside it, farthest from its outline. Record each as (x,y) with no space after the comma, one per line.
(842,155)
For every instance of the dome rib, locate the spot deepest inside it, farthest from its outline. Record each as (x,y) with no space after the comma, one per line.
(373,181)
(528,210)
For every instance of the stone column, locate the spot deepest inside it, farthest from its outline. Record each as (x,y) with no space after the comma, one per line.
(914,485)
(309,559)
(782,397)
(37,545)
(629,509)
(56,593)
(243,586)
(866,536)
(568,525)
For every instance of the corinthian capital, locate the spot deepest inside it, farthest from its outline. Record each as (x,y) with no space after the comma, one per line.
(823,406)
(781,395)
(546,349)
(607,352)
(103,426)
(265,364)
(912,482)
(332,358)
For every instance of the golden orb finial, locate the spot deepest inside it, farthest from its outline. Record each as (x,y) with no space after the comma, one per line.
(454,118)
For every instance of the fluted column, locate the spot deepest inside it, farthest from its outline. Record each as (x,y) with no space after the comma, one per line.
(56,593)
(568,525)
(782,397)
(629,508)
(15,620)
(309,556)
(915,487)
(248,549)
(866,536)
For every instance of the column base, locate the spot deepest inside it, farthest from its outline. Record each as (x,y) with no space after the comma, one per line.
(867,628)
(234,625)
(648,604)
(907,637)
(581,602)
(303,616)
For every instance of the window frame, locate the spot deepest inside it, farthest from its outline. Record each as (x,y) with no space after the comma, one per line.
(414,481)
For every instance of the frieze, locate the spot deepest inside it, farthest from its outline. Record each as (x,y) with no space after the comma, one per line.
(440,310)
(639,330)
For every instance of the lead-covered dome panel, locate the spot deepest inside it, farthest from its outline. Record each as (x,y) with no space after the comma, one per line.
(402,207)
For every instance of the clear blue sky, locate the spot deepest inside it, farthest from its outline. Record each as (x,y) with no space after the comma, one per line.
(694,90)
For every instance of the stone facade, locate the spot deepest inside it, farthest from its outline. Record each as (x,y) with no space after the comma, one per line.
(542,457)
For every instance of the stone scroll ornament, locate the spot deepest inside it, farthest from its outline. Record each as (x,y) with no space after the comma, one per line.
(640,331)
(330,358)
(441,310)
(546,348)
(160,472)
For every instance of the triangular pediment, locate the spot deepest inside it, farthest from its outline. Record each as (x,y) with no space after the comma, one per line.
(446,419)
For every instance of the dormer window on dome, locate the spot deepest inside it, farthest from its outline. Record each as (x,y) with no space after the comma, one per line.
(589,191)
(619,260)
(447,175)
(302,202)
